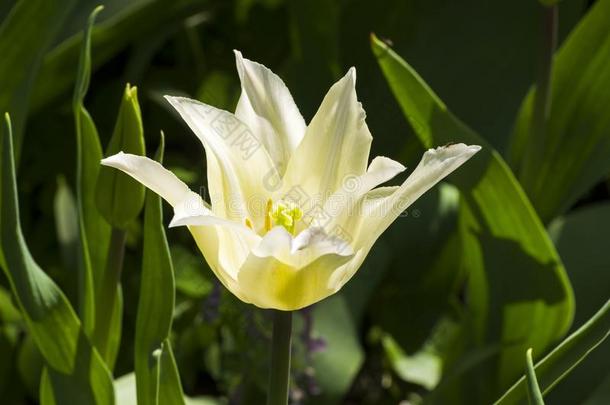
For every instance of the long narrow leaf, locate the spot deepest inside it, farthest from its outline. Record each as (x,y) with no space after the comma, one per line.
(76,372)
(575,147)
(138,20)
(25,36)
(523,302)
(92,226)
(582,239)
(157,378)
(93,229)
(533,390)
(557,364)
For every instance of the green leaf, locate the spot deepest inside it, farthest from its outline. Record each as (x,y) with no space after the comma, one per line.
(25,36)
(119,197)
(478,56)
(30,365)
(559,362)
(533,390)
(169,385)
(8,312)
(582,238)
(156,373)
(576,143)
(137,20)
(76,372)
(423,368)
(524,302)
(94,231)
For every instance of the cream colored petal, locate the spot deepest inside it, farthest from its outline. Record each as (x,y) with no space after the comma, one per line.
(435,165)
(267,107)
(288,273)
(336,143)
(301,250)
(151,174)
(382,207)
(215,244)
(269,283)
(238,164)
(342,202)
(225,248)
(193,211)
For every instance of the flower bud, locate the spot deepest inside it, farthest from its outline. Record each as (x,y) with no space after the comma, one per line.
(120,198)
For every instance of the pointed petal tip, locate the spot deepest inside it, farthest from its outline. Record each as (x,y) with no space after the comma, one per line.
(456,148)
(469,150)
(114,160)
(389,162)
(475,148)
(171,99)
(351,75)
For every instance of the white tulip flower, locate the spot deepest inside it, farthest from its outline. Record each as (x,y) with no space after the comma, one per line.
(295,208)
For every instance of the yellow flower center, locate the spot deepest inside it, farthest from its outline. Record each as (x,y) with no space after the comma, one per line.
(284,215)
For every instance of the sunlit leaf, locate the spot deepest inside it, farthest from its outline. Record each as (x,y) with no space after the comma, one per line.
(119,197)
(524,302)
(76,371)
(94,231)
(156,373)
(533,390)
(559,362)
(576,144)
(423,368)
(582,239)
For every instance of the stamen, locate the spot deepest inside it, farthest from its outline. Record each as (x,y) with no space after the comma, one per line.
(268,215)
(249,223)
(287,216)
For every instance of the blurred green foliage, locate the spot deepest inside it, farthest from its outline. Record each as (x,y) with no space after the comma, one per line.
(494,261)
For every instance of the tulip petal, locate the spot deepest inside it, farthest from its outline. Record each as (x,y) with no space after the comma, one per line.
(301,250)
(352,189)
(291,273)
(383,206)
(192,211)
(237,163)
(435,165)
(267,107)
(336,144)
(189,207)
(151,174)
(218,246)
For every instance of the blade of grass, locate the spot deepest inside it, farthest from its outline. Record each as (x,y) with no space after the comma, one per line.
(533,390)
(75,370)
(559,362)
(157,379)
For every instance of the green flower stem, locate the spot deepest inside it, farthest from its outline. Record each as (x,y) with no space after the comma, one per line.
(542,96)
(279,375)
(107,292)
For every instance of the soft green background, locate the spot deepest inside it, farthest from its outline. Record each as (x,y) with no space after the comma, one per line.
(450,297)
